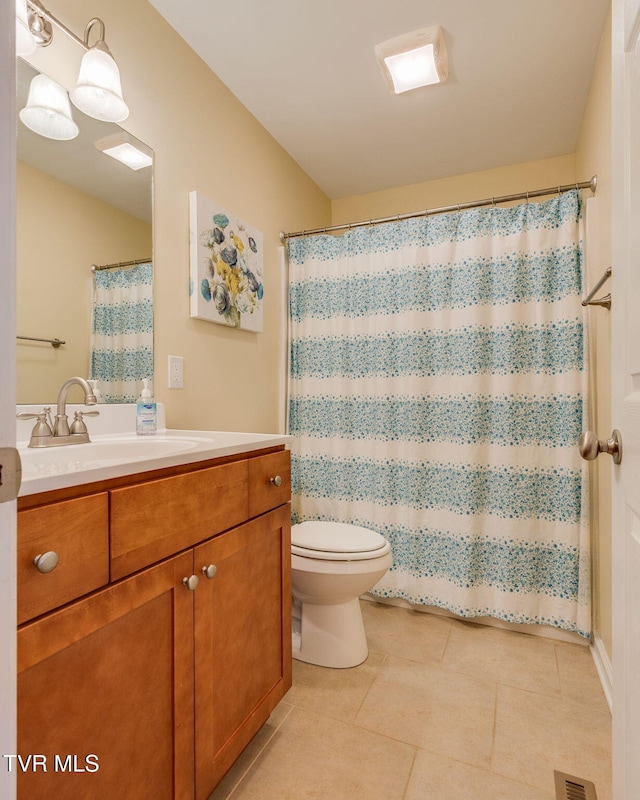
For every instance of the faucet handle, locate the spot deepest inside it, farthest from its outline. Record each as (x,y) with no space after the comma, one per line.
(43,427)
(78,426)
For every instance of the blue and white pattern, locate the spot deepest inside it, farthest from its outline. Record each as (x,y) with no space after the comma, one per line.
(122,331)
(437,393)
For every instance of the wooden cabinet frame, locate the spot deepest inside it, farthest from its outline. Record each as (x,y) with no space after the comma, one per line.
(165,686)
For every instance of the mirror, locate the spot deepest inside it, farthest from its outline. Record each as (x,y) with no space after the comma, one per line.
(76,207)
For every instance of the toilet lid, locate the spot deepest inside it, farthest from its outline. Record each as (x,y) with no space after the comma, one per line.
(336,537)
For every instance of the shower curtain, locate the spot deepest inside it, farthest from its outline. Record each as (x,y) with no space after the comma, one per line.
(122,331)
(437,394)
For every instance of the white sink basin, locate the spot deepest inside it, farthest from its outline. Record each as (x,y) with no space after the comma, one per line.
(121,452)
(103,453)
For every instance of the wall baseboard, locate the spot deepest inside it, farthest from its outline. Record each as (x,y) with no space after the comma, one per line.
(603,667)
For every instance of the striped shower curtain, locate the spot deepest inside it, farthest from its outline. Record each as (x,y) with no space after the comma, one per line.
(437,393)
(122,331)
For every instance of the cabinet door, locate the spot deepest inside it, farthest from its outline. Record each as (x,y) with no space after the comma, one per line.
(242,639)
(105,693)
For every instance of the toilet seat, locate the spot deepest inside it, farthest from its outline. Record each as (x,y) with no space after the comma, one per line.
(336,541)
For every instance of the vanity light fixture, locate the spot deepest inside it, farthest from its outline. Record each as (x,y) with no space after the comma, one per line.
(413,60)
(98,92)
(48,111)
(25,41)
(126,149)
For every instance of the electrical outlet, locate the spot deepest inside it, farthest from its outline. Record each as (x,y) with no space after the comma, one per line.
(175,372)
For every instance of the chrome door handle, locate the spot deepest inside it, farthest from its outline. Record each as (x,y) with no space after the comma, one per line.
(590,446)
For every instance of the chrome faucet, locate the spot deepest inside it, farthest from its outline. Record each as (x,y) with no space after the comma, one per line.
(61,424)
(47,433)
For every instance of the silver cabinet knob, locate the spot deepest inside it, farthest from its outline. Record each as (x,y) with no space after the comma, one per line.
(590,446)
(46,562)
(210,571)
(277,481)
(191,583)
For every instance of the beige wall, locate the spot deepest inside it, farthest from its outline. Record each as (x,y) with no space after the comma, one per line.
(203,139)
(458,189)
(61,231)
(594,155)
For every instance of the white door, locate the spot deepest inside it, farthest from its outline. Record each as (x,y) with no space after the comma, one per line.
(7,393)
(625,325)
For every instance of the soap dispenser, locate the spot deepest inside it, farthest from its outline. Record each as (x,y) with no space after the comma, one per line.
(146,412)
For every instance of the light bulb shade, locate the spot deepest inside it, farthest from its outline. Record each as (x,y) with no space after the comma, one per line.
(98,92)
(414,59)
(48,111)
(25,42)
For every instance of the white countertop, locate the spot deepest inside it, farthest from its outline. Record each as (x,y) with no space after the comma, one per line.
(122,452)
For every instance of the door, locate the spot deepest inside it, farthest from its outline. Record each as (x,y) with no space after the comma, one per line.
(7,390)
(106,693)
(625,326)
(242,639)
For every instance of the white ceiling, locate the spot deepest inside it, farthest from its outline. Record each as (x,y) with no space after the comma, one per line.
(519,74)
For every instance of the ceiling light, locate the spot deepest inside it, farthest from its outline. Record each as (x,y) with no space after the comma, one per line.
(413,60)
(48,111)
(125,148)
(25,42)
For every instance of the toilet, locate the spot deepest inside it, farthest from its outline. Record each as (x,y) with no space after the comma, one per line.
(333,563)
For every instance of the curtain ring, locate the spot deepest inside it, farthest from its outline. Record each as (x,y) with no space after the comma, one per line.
(559,191)
(527,198)
(493,202)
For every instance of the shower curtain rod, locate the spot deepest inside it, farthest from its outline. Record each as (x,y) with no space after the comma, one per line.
(95,267)
(490,201)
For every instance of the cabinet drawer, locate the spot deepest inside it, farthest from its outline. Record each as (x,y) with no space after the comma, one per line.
(154,520)
(264,494)
(78,532)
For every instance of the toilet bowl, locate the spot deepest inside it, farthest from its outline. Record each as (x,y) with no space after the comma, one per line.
(332,565)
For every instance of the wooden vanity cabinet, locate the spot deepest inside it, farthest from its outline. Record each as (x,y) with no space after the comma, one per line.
(158,685)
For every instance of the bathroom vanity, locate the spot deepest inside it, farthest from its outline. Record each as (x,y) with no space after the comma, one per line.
(160,641)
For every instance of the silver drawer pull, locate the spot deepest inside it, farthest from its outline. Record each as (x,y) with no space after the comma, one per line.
(46,562)
(210,571)
(277,481)
(191,583)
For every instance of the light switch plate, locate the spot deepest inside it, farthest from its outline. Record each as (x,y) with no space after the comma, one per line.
(176,380)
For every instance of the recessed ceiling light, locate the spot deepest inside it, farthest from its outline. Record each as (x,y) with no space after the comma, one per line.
(126,149)
(413,60)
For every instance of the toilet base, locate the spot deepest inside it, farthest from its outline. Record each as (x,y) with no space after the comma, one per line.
(331,635)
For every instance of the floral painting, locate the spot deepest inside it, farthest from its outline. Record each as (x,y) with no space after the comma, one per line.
(226,267)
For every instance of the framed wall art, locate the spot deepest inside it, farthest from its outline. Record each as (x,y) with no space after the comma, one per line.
(226,267)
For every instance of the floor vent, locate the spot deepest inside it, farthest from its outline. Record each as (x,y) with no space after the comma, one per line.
(568,787)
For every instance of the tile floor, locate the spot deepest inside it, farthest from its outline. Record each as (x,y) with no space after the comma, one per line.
(441,710)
